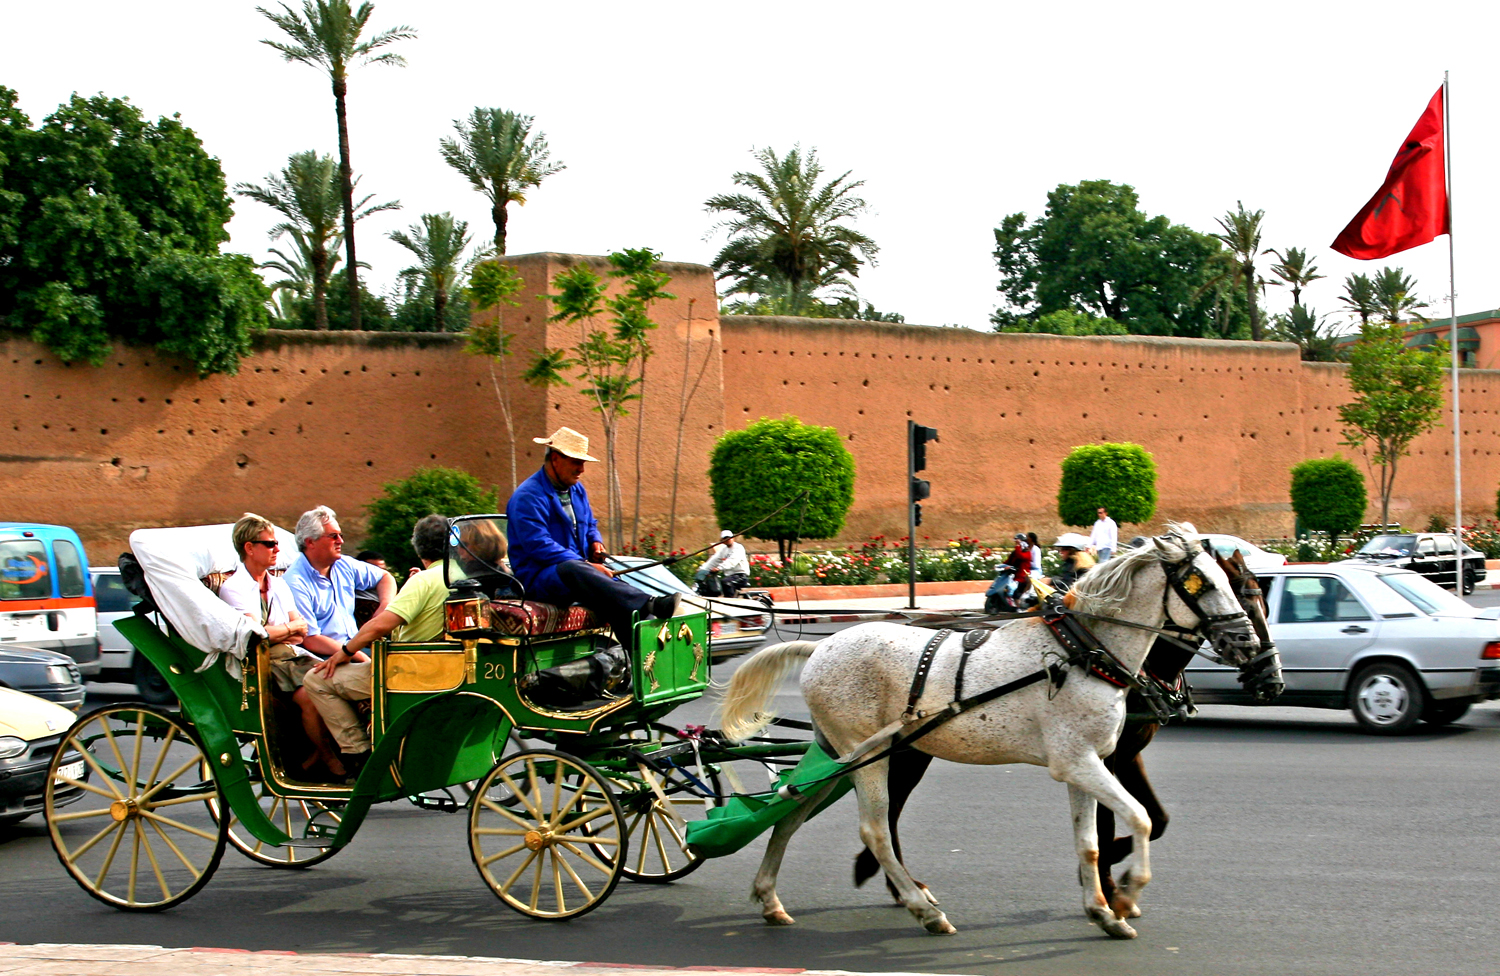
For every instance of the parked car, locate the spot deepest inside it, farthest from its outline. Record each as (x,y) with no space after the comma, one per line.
(733,626)
(48,675)
(46,598)
(117,658)
(1256,558)
(31,729)
(1386,643)
(1434,555)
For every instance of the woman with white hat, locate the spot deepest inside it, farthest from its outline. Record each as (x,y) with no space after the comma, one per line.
(1073,548)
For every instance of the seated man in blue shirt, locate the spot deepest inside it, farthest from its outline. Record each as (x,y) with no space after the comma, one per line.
(323,581)
(552,527)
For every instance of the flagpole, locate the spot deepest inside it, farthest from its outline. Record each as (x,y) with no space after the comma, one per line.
(1458,484)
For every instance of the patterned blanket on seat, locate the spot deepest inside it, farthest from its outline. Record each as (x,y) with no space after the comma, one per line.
(535,619)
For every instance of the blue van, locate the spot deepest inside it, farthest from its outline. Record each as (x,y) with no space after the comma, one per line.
(46,596)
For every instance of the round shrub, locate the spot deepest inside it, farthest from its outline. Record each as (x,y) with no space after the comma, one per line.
(1328,495)
(444,491)
(1121,477)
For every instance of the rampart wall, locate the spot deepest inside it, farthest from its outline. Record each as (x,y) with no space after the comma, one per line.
(328,417)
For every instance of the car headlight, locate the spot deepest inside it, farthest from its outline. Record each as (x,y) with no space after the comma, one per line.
(11,747)
(58,674)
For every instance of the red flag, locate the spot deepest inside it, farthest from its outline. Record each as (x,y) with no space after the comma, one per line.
(1411,207)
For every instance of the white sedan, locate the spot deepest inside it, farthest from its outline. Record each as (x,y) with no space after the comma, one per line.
(1256,558)
(1388,644)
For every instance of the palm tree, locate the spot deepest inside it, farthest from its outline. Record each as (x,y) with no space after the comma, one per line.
(308,192)
(1359,297)
(788,234)
(1242,236)
(1394,298)
(438,242)
(326,36)
(1296,271)
(496,152)
(1308,330)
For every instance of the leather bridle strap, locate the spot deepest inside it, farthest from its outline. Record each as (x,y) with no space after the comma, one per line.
(924,667)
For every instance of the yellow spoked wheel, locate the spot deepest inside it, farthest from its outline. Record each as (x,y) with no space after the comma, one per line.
(141,837)
(299,818)
(535,825)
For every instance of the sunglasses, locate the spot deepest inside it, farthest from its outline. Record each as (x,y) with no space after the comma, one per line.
(335,536)
(268,543)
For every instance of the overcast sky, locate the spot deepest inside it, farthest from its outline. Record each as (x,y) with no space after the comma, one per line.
(954,114)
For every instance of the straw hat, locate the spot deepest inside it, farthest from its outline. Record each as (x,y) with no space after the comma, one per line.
(1071,540)
(568,442)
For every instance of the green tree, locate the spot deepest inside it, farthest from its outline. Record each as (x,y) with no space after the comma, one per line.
(1121,477)
(788,236)
(326,35)
(492,286)
(309,194)
(1398,395)
(1094,252)
(1328,495)
(1240,233)
(1393,296)
(1310,331)
(110,228)
(427,491)
(1295,271)
(375,310)
(439,242)
(496,152)
(1066,322)
(1359,297)
(782,464)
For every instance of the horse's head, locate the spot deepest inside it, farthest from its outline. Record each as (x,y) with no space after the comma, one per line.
(1261,675)
(1200,601)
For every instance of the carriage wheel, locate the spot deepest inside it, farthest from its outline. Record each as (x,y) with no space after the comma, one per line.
(297,818)
(534,826)
(658,846)
(140,838)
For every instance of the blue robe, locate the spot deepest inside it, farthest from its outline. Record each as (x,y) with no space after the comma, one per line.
(541,536)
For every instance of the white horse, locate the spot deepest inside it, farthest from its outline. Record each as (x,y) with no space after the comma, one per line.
(856,684)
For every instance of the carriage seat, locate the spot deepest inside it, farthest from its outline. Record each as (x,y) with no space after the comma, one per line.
(535,619)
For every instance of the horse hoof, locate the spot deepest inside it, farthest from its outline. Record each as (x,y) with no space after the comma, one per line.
(1117,929)
(939,926)
(779,917)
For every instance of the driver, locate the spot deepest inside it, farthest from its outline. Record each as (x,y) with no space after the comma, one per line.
(552,527)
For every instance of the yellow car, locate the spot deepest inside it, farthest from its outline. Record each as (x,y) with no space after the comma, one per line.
(30,730)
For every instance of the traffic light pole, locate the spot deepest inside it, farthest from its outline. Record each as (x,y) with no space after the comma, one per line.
(911,517)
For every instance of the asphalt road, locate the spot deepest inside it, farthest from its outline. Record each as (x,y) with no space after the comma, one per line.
(1297,845)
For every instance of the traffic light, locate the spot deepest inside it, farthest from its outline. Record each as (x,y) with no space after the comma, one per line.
(916,513)
(920,489)
(919,437)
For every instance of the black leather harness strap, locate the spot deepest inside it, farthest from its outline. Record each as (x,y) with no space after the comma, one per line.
(924,667)
(972,639)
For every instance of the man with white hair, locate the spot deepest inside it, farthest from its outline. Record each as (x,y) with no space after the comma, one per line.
(323,581)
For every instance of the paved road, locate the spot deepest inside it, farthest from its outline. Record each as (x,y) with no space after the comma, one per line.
(1297,845)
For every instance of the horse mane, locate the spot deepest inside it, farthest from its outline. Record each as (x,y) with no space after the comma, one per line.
(1105,588)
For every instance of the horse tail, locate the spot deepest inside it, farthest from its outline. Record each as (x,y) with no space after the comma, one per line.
(754,683)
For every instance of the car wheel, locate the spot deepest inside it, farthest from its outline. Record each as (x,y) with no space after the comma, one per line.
(1469,581)
(1445,712)
(150,686)
(1387,699)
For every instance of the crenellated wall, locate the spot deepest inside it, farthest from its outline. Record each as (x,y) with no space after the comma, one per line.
(328,417)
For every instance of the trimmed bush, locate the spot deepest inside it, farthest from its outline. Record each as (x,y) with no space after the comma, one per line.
(1328,495)
(435,490)
(1121,477)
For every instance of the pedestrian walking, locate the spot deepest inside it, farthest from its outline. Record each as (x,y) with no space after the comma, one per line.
(1105,537)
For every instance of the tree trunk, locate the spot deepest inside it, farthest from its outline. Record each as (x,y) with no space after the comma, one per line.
(320,287)
(1250,300)
(439,306)
(640,425)
(346,178)
(510,425)
(1297,295)
(501,217)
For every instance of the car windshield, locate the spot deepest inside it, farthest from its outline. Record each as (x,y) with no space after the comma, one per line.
(1389,545)
(656,580)
(1426,595)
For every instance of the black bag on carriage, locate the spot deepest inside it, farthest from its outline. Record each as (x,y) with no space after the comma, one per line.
(602,676)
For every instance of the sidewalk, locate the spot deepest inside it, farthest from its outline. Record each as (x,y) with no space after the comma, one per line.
(875,608)
(121,960)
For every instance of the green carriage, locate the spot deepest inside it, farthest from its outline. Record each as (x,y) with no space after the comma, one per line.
(551,829)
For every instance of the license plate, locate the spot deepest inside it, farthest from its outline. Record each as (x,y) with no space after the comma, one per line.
(73,771)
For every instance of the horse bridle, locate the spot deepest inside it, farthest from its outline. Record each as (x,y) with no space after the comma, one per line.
(1260,673)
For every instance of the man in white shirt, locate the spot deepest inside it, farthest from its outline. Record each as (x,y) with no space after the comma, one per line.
(731,561)
(1105,537)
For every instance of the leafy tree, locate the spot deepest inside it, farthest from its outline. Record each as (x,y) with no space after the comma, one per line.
(1398,394)
(1394,298)
(1295,271)
(496,152)
(1241,235)
(788,235)
(1328,495)
(767,466)
(439,242)
(411,310)
(1310,331)
(491,287)
(326,36)
(428,491)
(375,311)
(1093,251)
(1067,322)
(309,194)
(1359,297)
(1121,477)
(110,228)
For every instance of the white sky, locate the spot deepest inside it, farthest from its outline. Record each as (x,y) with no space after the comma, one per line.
(954,114)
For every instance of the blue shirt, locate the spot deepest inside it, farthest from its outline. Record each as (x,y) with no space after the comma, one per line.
(328,602)
(541,535)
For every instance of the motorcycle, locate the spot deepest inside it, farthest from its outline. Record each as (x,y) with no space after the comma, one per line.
(1006,596)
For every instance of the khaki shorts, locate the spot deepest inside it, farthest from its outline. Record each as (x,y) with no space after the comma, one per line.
(288,668)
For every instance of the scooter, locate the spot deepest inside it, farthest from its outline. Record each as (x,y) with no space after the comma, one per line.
(1005,596)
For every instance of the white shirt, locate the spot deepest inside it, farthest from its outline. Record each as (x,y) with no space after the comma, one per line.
(1105,535)
(729,560)
(242,592)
